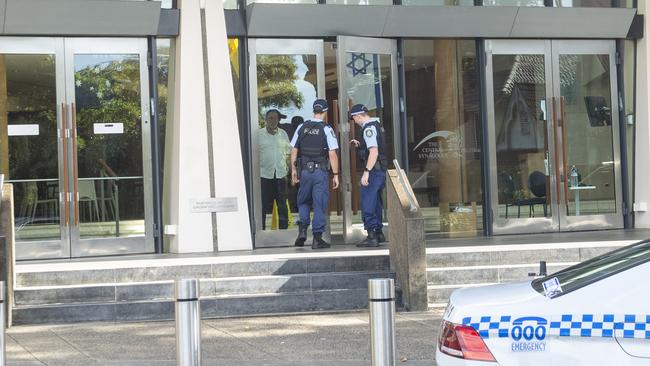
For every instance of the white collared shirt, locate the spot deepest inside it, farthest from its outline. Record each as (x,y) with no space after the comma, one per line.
(273,151)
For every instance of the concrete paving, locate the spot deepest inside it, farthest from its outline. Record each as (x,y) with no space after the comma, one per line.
(298,340)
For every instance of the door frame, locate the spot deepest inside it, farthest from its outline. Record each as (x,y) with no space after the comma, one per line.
(591,47)
(345,44)
(559,220)
(122,245)
(63,50)
(273,46)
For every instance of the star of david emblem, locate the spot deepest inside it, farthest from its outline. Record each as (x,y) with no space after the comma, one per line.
(359,64)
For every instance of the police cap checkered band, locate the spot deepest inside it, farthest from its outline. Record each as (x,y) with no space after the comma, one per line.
(358,109)
(320,105)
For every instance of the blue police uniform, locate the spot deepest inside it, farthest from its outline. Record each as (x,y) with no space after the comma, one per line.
(314,139)
(372,205)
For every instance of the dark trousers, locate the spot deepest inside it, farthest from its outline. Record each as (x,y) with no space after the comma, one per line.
(314,192)
(371,203)
(275,190)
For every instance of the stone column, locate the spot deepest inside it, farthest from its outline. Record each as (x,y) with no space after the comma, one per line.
(7,230)
(187,175)
(233,228)
(203,136)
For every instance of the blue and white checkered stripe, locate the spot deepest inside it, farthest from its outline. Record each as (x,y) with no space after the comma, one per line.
(570,325)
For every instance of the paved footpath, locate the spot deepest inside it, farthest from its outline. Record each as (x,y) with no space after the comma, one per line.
(299,340)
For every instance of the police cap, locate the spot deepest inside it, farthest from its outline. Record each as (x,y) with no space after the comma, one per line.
(358,109)
(320,105)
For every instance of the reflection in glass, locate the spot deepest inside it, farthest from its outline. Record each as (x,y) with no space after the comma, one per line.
(444,134)
(586,98)
(360,2)
(593,3)
(368,81)
(514,2)
(286,83)
(521,138)
(248,2)
(439,2)
(28,143)
(109,145)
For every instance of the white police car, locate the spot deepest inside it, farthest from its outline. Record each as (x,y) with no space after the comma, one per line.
(594,313)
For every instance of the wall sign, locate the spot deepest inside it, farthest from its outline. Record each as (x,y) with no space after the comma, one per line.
(108,128)
(23,130)
(219,204)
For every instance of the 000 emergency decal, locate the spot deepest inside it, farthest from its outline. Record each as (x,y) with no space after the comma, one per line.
(529,333)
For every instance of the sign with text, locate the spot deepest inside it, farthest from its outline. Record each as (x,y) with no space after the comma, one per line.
(219,204)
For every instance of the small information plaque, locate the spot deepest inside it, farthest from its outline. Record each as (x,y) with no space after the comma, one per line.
(219,204)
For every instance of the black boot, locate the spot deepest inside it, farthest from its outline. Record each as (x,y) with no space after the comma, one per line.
(302,235)
(380,236)
(319,243)
(370,241)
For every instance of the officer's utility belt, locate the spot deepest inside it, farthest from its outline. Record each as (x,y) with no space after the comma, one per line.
(380,164)
(312,166)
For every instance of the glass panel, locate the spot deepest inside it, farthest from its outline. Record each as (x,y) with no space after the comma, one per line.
(444,134)
(521,136)
(368,80)
(28,143)
(594,3)
(248,2)
(438,2)
(286,83)
(586,91)
(513,2)
(163,52)
(109,145)
(360,2)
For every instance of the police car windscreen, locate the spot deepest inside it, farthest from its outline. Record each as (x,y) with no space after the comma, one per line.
(598,268)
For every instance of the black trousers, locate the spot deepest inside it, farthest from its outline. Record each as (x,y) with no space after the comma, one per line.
(275,190)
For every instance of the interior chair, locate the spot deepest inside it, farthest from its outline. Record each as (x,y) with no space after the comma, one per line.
(88,195)
(49,205)
(536,185)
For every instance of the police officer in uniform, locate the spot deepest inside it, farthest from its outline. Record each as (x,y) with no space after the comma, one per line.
(371,151)
(314,151)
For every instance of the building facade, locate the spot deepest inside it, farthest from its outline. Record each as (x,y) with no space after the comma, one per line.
(509,117)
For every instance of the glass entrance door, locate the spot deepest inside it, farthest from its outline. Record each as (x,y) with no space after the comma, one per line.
(74,141)
(367,74)
(286,77)
(109,156)
(553,137)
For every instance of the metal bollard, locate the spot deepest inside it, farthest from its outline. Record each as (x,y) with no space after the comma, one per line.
(3,324)
(381,301)
(188,323)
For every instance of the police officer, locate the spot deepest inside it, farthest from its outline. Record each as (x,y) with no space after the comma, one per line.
(314,151)
(371,151)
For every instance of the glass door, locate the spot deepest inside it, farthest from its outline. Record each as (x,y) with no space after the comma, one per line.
(553,141)
(75,143)
(32,115)
(109,155)
(367,74)
(286,77)
(587,128)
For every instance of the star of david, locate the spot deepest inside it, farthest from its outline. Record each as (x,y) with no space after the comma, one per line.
(354,64)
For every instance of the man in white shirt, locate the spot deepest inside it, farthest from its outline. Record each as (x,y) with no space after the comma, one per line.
(274,152)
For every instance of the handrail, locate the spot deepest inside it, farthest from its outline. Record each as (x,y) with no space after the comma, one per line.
(405,186)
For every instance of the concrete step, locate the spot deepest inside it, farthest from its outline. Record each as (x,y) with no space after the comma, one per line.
(204,271)
(216,307)
(487,274)
(216,287)
(517,254)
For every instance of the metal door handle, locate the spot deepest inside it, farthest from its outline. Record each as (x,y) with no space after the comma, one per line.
(64,138)
(564,161)
(554,124)
(75,169)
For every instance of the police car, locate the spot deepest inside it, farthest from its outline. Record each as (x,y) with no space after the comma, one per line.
(594,313)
